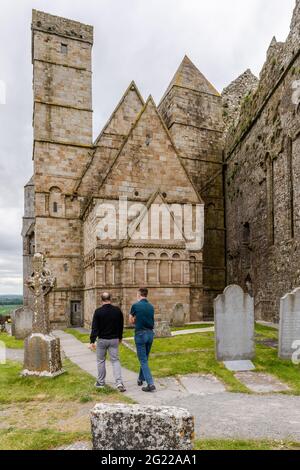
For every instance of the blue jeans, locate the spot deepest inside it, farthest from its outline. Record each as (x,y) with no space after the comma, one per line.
(143,342)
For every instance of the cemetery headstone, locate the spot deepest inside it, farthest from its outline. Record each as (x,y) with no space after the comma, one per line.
(289,326)
(234,325)
(42,350)
(7,327)
(135,427)
(21,322)
(2,353)
(178,315)
(162,329)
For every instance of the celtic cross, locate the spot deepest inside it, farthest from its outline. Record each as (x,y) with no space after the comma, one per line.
(41,282)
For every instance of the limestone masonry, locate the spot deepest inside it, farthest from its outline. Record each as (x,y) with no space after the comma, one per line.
(236,154)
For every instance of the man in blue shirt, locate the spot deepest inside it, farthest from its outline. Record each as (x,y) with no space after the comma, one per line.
(142,316)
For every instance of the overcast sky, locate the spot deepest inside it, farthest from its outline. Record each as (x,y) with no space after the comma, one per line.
(144,40)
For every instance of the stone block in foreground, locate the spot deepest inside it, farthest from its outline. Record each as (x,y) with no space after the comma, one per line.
(135,427)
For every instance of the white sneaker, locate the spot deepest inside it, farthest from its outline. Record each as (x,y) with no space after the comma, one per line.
(121,388)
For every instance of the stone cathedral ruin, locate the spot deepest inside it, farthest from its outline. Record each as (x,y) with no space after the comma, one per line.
(235,154)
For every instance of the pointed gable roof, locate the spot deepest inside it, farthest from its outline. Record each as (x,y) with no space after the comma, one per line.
(160,156)
(121,119)
(188,76)
(116,129)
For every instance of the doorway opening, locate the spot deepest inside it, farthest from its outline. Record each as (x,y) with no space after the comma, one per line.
(76,313)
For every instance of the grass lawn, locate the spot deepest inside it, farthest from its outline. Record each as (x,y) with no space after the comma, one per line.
(192,327)
(39,414)
(7,309)
(129,332)
(182,355)
(83,337)
(215,444)
(195,354)
(42,413)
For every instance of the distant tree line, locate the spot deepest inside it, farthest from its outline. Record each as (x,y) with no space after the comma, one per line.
(11,300)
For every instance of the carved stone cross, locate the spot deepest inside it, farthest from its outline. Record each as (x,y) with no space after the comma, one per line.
(42,356)
(41,282)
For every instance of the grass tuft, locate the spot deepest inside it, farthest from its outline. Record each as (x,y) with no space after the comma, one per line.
(230,444)
(42,439)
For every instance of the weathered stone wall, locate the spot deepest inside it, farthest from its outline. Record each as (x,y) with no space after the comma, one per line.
(28,236)
(172,273)
(233,96)
(263,180)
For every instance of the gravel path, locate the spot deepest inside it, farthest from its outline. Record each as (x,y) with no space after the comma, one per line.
(218,413)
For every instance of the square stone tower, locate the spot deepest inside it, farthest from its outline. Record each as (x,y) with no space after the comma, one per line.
(62,122)
(192,111)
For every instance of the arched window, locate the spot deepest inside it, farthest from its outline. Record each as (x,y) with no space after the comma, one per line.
(210,214)
(164,269)
(139,268)
(176,269)
(31,244)
(152,269)
(108,270)
(193,272)
(246,233)
(56,203)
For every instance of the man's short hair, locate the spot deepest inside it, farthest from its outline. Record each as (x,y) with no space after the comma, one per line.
(106,297)
(143,291)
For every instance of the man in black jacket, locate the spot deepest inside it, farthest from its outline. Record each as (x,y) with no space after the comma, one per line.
(107,326)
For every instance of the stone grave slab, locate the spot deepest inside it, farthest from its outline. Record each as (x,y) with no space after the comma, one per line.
(202,384)
(239,366)
(162,329)
(178,315)
(261,383)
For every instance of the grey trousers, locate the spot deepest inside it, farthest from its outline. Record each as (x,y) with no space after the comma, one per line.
(112,346)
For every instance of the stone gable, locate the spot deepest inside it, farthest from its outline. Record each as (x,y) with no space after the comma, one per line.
(148,160)
(110,140)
